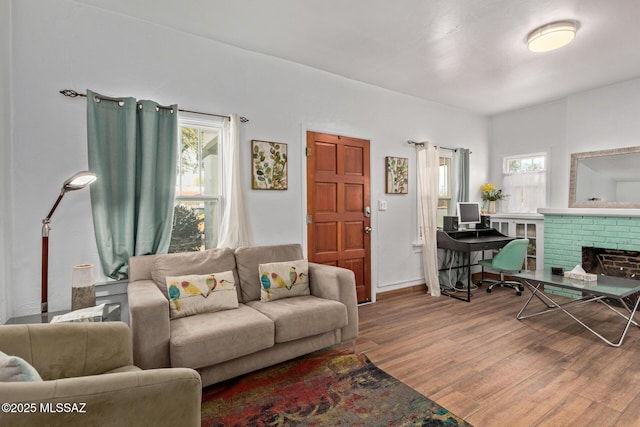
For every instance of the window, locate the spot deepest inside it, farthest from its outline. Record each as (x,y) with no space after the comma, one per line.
(444,192)
(198,186)
(524,164)
(525,182)
(444,183)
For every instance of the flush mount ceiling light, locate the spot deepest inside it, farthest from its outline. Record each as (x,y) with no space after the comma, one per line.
(551,36)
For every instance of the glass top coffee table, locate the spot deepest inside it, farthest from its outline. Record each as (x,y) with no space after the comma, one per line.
(602,290)
(112,312)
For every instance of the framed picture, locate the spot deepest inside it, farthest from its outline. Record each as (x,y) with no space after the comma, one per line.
(397,181)
(268,165)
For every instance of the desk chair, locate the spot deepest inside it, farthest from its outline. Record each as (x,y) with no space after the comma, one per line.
(508,260)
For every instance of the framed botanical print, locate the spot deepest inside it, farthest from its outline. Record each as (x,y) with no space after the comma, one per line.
(268,165)
(397,175)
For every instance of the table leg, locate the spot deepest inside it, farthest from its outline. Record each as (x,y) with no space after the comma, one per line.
(624,304)
(537,292)
(468,268)
(468,276)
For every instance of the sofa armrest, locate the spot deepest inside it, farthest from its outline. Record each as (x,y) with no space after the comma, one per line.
(153,397)
(149,319)
(338,284)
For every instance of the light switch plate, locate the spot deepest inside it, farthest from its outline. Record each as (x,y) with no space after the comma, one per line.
(382,205)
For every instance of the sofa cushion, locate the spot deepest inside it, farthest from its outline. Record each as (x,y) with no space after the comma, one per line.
(283,280)
(303,316)
(210,338)
(249,258)
(201,262)
(201,293)
(16,369)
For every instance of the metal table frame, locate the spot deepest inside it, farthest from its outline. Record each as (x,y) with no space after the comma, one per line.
(606,287)
(467,265)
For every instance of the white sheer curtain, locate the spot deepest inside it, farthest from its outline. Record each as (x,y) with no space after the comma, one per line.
(526,191)
(234,228)
(428,165)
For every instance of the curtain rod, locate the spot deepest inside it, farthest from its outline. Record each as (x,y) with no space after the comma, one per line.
(74,94)
(422,144)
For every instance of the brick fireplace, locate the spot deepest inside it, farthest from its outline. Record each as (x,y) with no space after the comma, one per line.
(568,231)
(611,262)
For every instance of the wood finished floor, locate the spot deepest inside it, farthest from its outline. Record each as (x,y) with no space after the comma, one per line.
(477,360)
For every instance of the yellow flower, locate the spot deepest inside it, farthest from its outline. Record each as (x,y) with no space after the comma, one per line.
(488,187)
(491,193)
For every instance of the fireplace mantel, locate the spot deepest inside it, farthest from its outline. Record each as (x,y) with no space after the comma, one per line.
(590,212)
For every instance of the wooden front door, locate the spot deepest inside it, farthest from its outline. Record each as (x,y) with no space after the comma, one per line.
(338,205)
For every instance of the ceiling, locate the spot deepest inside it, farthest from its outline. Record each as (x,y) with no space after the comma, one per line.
(464,53)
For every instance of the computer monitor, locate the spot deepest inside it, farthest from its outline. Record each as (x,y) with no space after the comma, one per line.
(468,213)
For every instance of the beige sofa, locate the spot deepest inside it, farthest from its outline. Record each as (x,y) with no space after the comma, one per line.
(89,380)
(224,344)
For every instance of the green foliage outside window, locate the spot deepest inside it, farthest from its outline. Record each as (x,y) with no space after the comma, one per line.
(189,149)
(187,225)
(525,164)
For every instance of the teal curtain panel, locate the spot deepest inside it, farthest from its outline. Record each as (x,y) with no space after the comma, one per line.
(132,148)
(461,158)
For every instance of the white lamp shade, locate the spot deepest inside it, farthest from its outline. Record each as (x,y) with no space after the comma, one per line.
(79,181)
(551,36)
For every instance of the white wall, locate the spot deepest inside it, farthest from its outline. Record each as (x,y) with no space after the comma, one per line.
(536,129)
(5,157)
(597,119)
(60,44)
(603,118)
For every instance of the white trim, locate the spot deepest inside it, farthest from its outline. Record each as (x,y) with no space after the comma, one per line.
(200,120)
(198,197)
(590,212)
(506,215)
(403,284)
(303,188)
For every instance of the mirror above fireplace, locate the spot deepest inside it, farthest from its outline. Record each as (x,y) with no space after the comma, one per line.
(605,179)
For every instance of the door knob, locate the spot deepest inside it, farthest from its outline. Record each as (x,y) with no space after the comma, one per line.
(367,230)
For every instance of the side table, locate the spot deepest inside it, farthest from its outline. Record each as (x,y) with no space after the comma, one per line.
(112,310)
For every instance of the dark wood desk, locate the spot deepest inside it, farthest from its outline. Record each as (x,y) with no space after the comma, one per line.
(468,241)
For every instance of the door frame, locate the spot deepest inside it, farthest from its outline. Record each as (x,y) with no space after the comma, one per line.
(374,212)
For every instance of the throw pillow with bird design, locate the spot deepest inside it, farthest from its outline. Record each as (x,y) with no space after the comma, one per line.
(201,293)
(283,279)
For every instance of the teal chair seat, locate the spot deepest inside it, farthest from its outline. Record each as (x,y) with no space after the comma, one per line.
(508,260)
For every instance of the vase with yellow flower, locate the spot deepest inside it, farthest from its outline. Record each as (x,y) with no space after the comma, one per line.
(491,194)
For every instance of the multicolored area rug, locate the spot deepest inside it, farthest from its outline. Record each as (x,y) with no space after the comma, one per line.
(327,388)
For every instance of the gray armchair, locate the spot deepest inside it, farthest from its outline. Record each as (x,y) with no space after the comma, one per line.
(91,365)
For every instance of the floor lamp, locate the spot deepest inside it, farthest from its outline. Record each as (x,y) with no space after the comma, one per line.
(76,182)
